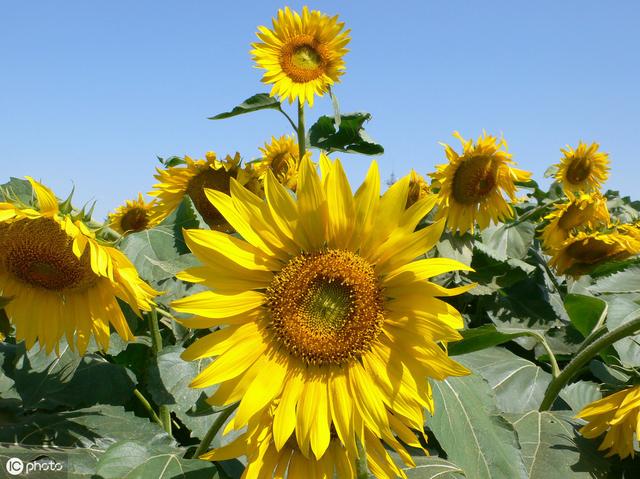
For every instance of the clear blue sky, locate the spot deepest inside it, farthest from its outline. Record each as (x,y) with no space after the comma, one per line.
(91,92)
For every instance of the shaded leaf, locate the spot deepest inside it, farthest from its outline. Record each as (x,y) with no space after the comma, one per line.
(260,101)
(509,241)
(349,137)
(483,337)
(577,395)
(518,384)
(584,311)
(552,449)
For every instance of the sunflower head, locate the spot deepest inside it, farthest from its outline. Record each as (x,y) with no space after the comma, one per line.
(473,184)
(282,158)
(52,260)
(302,54)
(324,308)
(581,212)
(191,179)
(133,216)
(583,168)
(617,417)
(418,188)
(580,253)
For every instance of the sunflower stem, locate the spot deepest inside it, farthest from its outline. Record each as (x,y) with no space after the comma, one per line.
(555,369)
(302,147)
(213,430)
(156,348)
(582,358)
(147,406)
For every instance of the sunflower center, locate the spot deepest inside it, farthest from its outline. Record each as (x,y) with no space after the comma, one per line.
(219,180)
(474,179)
(38,253)
(135,219)
(592,250)
(578,170)
(303,59)
(326,307)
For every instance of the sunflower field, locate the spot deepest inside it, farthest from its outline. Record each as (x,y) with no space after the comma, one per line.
(267,319)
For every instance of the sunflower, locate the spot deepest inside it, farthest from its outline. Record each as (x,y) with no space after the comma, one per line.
(586,211)
(582,169)
(302,54)
(336,322)
(133,216)
(191,179)
(472,185)
(418,188)
(62,281)
(281,156)
(583,251)
(266,459)
(619,416)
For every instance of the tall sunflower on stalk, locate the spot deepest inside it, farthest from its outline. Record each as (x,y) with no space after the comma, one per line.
(579,212)
(190,179)
(302,54)
(336,323)
(61,279)
(583,168)
(473,184)
(617,416)
(582,252)
(135,215)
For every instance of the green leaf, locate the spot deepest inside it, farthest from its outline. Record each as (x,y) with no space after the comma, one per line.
(627,281)
(552,448)
(431,467)
(349,137)
(456,247)
(585,311)
(47,381)
(577,395)
(509,241)
(131,460)
(168,383)
(474,436)
(17,189)
(260,101)
(622,309)
(483,337)
(518,384)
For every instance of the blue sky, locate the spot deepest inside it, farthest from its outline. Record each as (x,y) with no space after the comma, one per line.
(91,92)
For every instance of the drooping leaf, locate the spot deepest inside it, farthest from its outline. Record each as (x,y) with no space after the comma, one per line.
(509,241)
(47,381)
(552,449)
(349,137)
(518,384)
(627,281)
(475,437)
(260,101)
(622,309)
(483,337)
(577,395)
(585,311)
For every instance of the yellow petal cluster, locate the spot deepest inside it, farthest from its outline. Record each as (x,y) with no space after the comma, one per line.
(61,280)
(617,416)
(135,215)
(322,310)
(583,168)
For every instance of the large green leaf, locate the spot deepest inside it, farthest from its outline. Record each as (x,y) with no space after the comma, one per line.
(260,101)
(623,282)
(168,383)
(47,381)
(349,137)
(430,467)
(585,311)
(518,384)
(552,449)
(131,460)
(17,189)
(509,240)
(473,434)
(622,309)
(577,395)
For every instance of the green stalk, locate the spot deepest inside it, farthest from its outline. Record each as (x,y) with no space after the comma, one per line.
(156,347)
(213,430)
(582,358)
(361,462)
(302,147)
(147,406)
(555,369)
